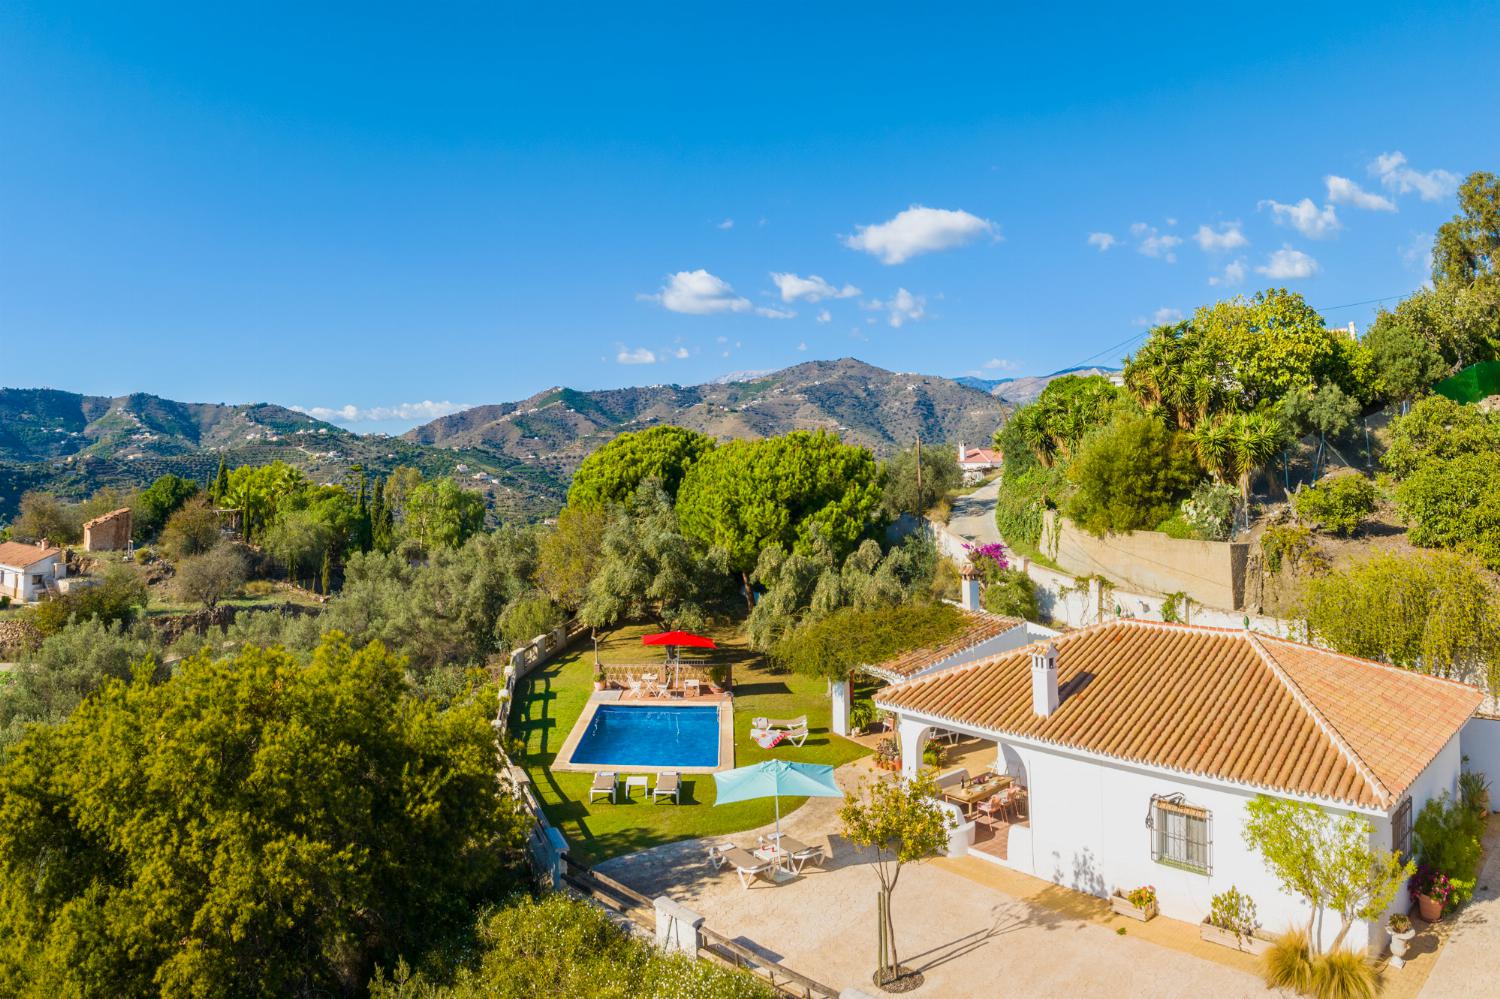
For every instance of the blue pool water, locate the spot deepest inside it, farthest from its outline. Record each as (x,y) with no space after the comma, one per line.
(641,736)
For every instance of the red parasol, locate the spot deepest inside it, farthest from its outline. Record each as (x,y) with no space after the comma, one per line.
(682,638)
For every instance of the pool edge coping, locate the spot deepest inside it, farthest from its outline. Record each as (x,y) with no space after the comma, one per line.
(564,760)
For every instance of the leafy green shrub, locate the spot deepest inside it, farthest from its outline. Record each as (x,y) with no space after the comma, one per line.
(1474,791)
(259,588)
(1234,911)
(144,555)
(1288,963)
(1344,974)
(862,714)
(1210,510)
(833,646)
(1129,476)
(560,946)
(1336,504)
(118,596)
(1011,593)
(527,617)
(1446,839)
(1285,545)
(1177,526)
(1023,497)
(1176,607)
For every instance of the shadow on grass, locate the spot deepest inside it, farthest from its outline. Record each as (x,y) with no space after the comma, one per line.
(762,688)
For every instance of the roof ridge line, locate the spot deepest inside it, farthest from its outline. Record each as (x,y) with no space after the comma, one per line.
(1319,719)
(1366,661)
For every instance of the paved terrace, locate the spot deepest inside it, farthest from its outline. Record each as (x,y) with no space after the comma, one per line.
(971,927)
(977,929)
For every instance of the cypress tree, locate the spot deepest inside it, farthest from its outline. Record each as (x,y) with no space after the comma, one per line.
(221,484)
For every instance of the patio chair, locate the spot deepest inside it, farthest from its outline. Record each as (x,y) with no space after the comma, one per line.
(604,784)
(633,684)
(668,785)
(691,687)
(746,864)
(799,853)
(991,807)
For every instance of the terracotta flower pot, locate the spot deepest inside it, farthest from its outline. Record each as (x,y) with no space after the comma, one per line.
(1429,908)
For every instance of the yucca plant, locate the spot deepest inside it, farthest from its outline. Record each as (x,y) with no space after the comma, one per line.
(1344,974)
(1288,964)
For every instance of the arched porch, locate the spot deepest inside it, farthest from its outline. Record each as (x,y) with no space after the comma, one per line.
(985,777)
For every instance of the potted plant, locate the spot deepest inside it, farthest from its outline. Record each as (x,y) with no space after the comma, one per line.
(888,754)
(1401,930)
(1430,889)
(717,675)
(599,681)
(1231,922)
(1137,903)
(861,716)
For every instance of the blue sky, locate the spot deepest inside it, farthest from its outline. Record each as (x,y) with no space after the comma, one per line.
(378,208)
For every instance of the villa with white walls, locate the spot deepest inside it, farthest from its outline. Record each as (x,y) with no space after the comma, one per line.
(1139,745)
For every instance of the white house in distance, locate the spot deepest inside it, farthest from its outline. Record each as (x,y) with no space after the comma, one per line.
(977,460)
(28,572)
(1139,744)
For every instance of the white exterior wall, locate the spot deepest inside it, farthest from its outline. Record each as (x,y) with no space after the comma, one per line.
(18,582)
(1087,831)
(1480,742)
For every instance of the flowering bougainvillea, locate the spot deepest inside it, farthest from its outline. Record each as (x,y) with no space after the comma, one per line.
(982,554)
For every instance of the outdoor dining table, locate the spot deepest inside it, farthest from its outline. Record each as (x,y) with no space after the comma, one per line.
(972,795)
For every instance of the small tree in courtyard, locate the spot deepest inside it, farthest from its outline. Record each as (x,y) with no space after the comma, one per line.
(900,820)
(1326,859)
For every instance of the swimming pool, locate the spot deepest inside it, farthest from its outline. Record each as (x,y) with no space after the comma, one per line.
(627,735)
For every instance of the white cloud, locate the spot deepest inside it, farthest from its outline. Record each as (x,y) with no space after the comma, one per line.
(639,355)
(1288,264)
(1000,364)
(1102,240)
(681,353)
(1165,315)
(1396,176)
(802,345)
(726,224)
(825,316)
(919,230)
(1234,273)
(1343,191)
(697,293)
(1417,253)
(1227,237)
(901,308)
(1306,217)
(1153,243)
(425,410)
(812,288)
(773,313)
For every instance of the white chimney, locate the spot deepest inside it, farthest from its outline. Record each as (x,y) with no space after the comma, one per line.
(968,587)
(1044,698)
(963,449)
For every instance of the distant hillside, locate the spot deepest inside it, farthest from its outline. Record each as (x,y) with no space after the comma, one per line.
(520,454)
(863,404)
(75,443)
(1020,391)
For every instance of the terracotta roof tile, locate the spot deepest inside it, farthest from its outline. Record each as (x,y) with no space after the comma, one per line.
(20,555)
(978,627)
(1233,705)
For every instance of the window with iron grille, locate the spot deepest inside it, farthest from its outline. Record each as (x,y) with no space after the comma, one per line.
(1181,834)
(1401,830)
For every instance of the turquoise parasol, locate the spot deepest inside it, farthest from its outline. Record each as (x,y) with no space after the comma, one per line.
(772,779)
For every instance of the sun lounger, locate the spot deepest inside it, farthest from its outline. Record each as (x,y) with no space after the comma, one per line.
(797,736)
(746,864)
(765,738)
(789,723)
(668,785)
(604,784)
(799,853)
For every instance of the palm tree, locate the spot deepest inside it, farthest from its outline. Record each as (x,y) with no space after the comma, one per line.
(1212,441)
(1254,441)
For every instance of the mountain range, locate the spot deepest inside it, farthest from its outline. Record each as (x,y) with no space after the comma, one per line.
(1020,391)
(521,454)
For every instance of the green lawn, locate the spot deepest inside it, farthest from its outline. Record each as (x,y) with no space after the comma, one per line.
(550,700)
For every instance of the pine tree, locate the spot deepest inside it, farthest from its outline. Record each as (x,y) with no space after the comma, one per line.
(381,523)
(221,484)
